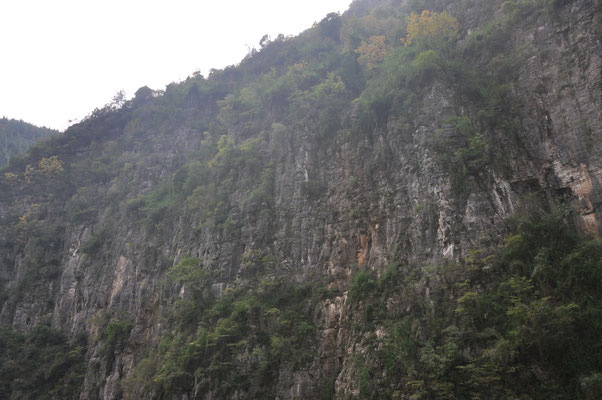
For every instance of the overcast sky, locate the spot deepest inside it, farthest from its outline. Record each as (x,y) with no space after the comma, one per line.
(60,59)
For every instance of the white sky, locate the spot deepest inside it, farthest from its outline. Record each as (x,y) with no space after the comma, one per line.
(60,59)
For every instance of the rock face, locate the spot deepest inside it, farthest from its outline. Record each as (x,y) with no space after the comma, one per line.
(334,204)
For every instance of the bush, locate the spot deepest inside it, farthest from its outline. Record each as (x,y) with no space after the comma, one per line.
(425,67)
(463,152)
(363,284)
(115,334)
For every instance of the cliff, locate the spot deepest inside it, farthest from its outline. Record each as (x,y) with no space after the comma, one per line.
(322,221)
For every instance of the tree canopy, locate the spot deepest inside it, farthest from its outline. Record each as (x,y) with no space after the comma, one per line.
(430,30)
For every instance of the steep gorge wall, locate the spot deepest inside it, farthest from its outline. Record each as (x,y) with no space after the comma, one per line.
(337,204)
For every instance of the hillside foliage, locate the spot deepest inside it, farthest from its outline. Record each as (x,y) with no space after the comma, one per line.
(519,318)
(18,136)
(518,322)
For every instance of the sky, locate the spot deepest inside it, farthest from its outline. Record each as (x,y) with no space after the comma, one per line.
(60,59)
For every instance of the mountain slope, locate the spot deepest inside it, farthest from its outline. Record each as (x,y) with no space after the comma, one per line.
(17,136)
(338,216)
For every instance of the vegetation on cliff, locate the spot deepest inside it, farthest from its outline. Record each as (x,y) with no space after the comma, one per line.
(522,321)
(187,183)
(18,136)
(42,364)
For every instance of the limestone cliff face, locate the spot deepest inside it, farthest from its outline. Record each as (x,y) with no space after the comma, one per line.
(348,202)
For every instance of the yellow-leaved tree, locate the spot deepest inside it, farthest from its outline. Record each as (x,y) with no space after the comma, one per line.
(431,30)
(47,168)
(371,52)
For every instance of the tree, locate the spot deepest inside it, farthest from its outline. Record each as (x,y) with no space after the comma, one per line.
(118,100)
(330,26)
(431,30)
(47,168)
(265,41)
(373,51)
(11,178)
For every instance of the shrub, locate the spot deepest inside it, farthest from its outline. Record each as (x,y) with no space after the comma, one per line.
(114,334)
(362,284)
